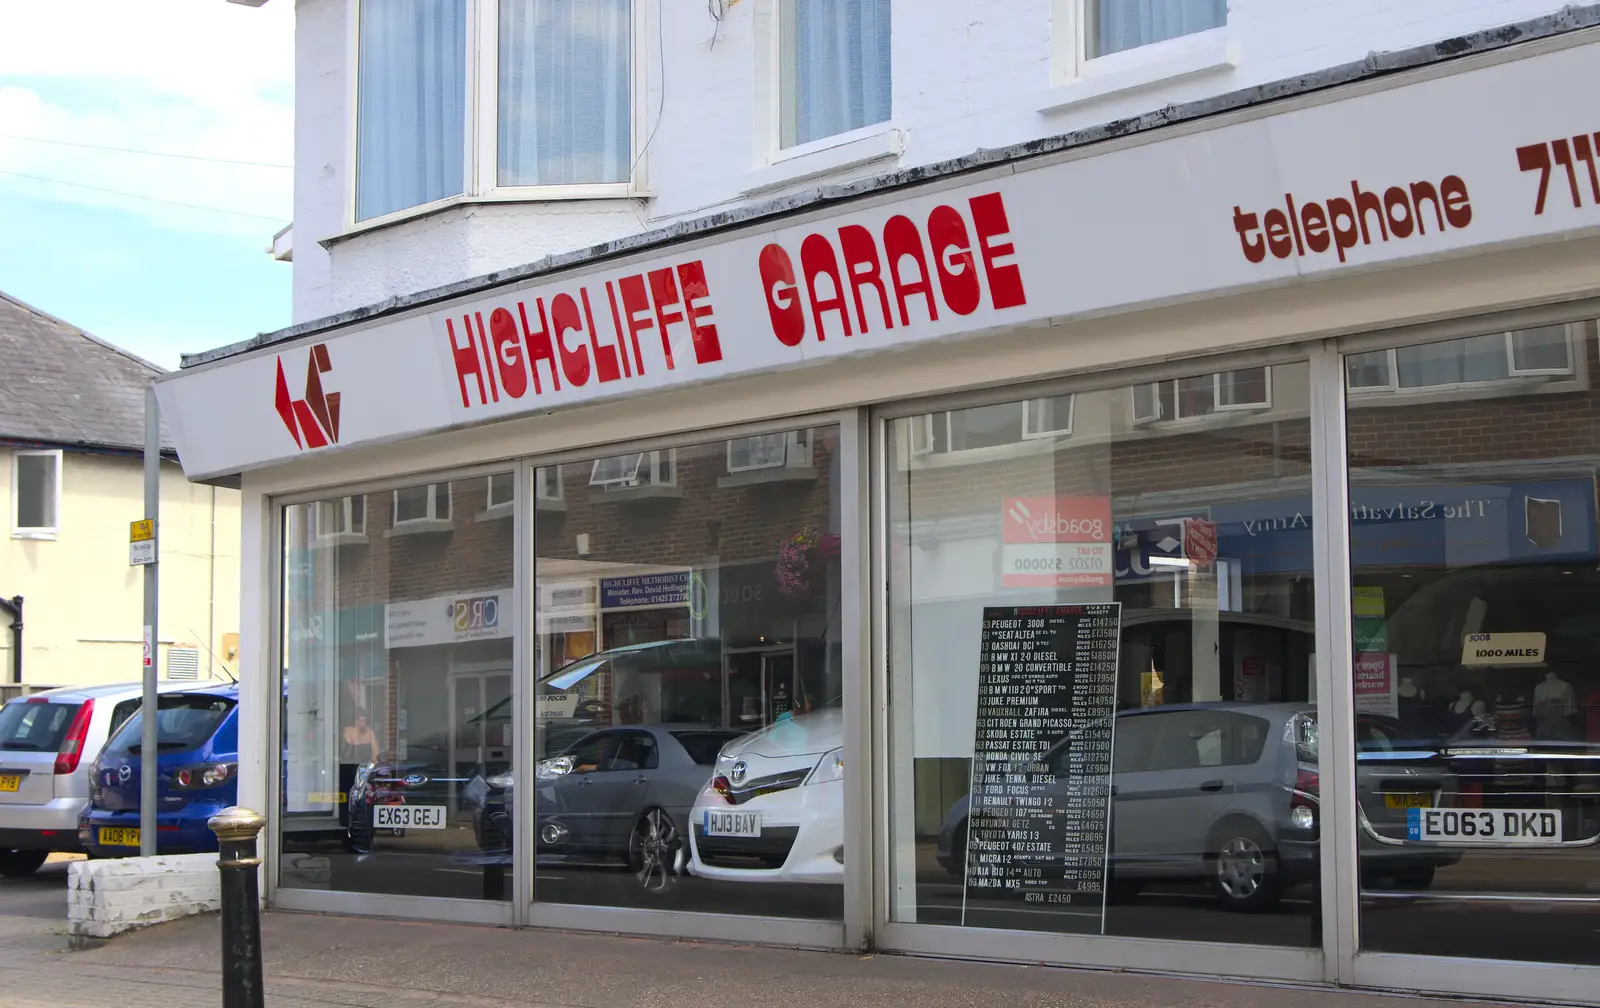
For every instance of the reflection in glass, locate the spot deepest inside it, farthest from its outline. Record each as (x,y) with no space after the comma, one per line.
(1187,502)
(397,622)
(1473,551)
(689,683)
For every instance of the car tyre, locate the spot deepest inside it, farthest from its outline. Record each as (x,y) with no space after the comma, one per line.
(21,863)
(657,853)
(1246,874)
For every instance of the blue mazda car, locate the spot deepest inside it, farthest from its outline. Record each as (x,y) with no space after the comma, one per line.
(197,775)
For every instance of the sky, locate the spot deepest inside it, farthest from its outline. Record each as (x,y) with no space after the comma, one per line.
(202,78)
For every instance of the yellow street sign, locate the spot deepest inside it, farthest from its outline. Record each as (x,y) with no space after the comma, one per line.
(142,530)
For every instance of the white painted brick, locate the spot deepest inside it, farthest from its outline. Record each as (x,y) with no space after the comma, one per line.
(965,76)
(110,897)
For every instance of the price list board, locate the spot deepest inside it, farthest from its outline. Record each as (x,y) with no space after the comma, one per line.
(1038,818)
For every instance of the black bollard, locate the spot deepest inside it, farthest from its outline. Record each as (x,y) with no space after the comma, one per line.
(236,829)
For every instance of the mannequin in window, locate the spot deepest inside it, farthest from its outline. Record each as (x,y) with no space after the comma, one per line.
(1554,704)
(1511,716)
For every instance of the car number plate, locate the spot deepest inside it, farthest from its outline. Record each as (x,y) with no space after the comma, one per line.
(10,782)
(1408,800)
(409,817)
(1520,827)
(745,824)
(119,836)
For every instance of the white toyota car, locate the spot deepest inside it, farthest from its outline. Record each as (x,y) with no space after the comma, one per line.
(773,810)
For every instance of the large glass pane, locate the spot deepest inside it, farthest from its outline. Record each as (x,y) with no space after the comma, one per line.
(1477,656)
(566,107)
(1101,693)
(834,67)
(690,686)
(397,644)
(411,103)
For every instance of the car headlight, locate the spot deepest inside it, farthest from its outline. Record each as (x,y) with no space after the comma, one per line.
(829,768)
(499,781)
(551,769)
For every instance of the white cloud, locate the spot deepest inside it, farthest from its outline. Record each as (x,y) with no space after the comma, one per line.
(198,77)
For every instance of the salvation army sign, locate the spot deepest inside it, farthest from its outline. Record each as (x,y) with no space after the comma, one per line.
(1400,174)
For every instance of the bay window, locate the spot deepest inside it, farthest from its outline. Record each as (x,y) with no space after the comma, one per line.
(555,79)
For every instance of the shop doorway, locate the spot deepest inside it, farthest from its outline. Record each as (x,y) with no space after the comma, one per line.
(759,685)
(480,726)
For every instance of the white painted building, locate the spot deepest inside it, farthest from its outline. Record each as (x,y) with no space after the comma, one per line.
(1099,482)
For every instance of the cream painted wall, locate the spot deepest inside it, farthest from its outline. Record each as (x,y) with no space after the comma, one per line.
(83,608)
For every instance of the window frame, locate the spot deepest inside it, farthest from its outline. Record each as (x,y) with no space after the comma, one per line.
(481,118)
(319,535)
(432,518)
(43,532)
(1137,419)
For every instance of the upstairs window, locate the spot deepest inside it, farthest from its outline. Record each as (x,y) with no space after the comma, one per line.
(769,451)
(834,67)
(339,517)
(1113,26)
(36,493)
(566,75)
(492,97)
(992,426)
(621,472)
(411,103)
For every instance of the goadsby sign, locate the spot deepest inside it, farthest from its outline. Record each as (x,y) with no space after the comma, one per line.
(1474,160)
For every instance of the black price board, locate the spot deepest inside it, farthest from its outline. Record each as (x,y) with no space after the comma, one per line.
(1039,809)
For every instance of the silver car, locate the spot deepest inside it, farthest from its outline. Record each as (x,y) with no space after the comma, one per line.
(48,741)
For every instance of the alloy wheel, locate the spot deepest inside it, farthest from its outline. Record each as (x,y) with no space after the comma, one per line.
(658,851)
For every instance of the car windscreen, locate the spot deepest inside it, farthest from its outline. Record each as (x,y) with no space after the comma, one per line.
(703,746)
(34,727)
(185,721)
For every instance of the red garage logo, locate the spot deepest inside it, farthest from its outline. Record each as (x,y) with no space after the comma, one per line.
(313,420)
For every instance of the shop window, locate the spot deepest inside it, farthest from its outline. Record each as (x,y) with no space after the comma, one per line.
(1165,716)
(396,672)
(36,493)
(717,613)
(770,451)
(1547,351)
(1113,26)
(640,469)
(834,67)
(1475,650)
(422,506)
(1203,395)
(340,518)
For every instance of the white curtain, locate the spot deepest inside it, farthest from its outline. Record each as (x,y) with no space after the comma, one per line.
(565,91)
(1127,24)
(410,104)
(840,68)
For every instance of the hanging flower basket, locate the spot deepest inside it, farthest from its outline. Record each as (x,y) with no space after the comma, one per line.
(803,560)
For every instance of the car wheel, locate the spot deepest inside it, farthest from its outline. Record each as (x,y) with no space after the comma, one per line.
(1245,870)
(656,852)
(18,863)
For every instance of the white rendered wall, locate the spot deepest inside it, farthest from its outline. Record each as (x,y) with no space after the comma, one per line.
(968,74)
